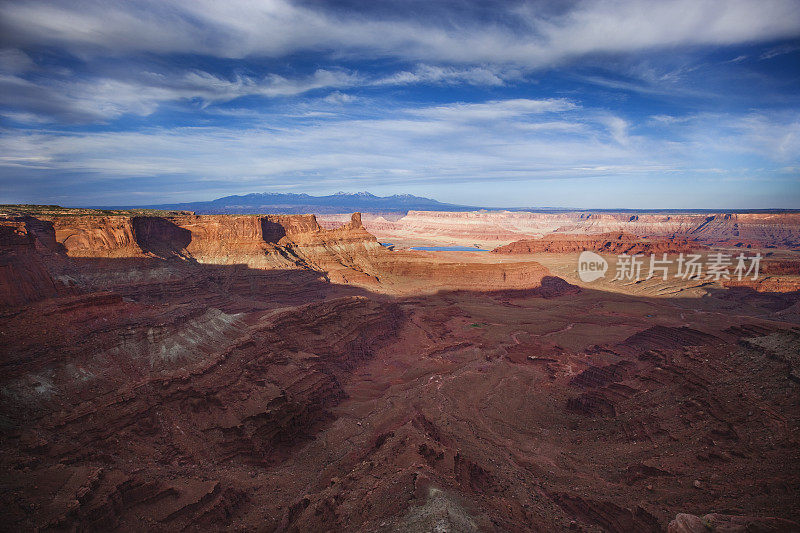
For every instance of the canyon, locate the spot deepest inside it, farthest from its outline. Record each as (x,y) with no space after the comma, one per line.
(175,371)
(494,228)
(609,243)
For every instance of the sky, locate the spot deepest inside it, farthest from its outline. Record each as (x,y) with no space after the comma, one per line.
(589,104)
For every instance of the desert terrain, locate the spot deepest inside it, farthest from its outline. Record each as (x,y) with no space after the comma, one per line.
(172,371)
(489,229)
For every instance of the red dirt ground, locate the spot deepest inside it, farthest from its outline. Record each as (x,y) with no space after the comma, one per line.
(262,373)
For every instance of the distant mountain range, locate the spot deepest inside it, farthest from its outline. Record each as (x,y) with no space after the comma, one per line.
(289,203)
(365,202)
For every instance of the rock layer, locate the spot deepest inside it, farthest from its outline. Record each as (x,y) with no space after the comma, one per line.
(497,227)
(262,373)
(609,243)
(347,254)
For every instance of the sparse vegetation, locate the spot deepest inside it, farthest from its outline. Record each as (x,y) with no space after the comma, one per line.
(57,210)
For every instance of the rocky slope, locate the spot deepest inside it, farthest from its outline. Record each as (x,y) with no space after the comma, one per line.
(608,243)
(23,276)
(37,252)
(264,373)
(491,228)
(768,229)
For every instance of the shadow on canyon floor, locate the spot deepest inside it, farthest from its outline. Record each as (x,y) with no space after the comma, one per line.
(160,237)
(173,394)
(173,277)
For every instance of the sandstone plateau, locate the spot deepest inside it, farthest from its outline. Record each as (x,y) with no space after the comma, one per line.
(607,243)
(266,373)
(493,228)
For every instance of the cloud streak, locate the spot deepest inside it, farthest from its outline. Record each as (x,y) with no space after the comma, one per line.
(275,28)
(522,141)
(101,96)
(67,98)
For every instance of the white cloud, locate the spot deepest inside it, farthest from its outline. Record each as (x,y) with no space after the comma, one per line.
(737,59)
(667,119)
(667,86)
(338,97)
(68,98)
(506,139)
(472,51)
(484,76)
(617,127)
(274,28)
(437,143)
(762,134)
(779,51)
(620,26)
(773,136)
(14,61)
(497,109)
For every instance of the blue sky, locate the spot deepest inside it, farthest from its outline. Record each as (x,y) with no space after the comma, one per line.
(635,104)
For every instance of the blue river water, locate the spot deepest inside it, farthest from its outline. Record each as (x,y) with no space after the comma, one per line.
(448,249)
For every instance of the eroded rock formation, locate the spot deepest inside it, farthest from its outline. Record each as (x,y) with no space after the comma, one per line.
(264,373)
(499,227)
(608,243)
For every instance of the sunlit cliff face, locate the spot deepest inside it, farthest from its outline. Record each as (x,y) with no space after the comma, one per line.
(495,228)
(573,303)
(263,372)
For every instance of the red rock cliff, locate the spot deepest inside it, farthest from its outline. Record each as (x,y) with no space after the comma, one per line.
(610,243)
(23,276)
(218,239)
(345,255)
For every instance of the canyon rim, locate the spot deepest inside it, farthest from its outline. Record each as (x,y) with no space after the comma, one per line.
(420,266)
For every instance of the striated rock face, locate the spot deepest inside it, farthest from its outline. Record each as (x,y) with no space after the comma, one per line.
(782,229)
(778,278)
(218,239)
(125,390)
(347,254)
(111,236)
(771,284)
(264,373)
(689,523)
(23,276)
(609,243)
(743,230)
(131,345)
(781,267)
(415,273)
(474,226)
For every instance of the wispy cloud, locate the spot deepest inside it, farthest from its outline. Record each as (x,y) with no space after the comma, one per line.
(71,99)
(239,28)
(67,97)
(473,52)
(497,109)
(738,59)
(13,61)
(486,76)
(279,93)
(779,51)
(508,139)
(772,137)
